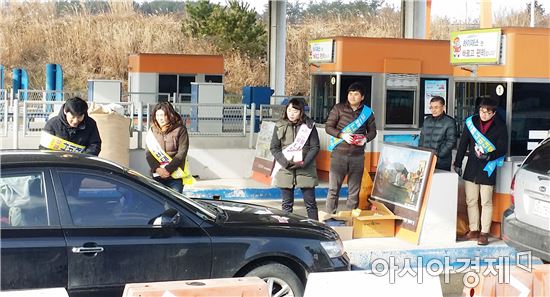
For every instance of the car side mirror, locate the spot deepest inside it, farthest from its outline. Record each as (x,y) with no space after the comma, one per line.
(169,217)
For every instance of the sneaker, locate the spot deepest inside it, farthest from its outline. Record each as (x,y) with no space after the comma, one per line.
(471,235)
(483,239)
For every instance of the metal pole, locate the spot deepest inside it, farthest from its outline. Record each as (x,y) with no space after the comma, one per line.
(277,45)
(532,14)
(252,124)
(6,109)
(148,122)
(139,124)
(245,109)
(25,118)
(15,123)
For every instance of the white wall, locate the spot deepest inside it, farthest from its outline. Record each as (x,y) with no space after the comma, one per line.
(143,83)
(207,163)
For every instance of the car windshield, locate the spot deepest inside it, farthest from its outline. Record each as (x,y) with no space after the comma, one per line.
(539,159)
(220,213)
(201,208)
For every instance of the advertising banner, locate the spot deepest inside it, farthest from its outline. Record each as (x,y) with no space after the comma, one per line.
(321,51)
(476,46)
(432,88)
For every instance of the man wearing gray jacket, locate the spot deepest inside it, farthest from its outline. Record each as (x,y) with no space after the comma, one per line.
(439,133)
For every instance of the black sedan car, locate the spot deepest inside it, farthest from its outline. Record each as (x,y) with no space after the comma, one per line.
(91,226)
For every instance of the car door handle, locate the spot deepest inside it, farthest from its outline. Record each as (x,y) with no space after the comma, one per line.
(541,178)
(87,250)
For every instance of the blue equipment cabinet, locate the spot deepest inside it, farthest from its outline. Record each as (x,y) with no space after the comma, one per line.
(259,96)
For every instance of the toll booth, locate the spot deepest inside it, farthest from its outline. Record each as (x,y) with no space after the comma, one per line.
(400,76)
(168,77)
(511,65)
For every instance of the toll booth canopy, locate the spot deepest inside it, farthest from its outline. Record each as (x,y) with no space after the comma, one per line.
(511,65)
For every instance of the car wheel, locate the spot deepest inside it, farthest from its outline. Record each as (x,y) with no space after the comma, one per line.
(281,280)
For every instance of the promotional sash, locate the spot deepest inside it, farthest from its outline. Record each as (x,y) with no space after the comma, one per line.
(486,146)
(59,144)
(163,158)
(351,127)
(294,150)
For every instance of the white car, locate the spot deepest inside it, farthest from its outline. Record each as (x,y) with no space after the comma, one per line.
(526,225)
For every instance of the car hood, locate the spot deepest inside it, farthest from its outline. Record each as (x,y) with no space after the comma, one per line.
(246,213)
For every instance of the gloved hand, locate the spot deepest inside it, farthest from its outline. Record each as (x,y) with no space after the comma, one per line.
(347,137)
(458,170)
(296,165)
(483,157)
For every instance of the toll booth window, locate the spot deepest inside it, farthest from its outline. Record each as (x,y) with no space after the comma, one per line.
(530,113)
(168,84)
(184,84)
(400,107)
(213,78)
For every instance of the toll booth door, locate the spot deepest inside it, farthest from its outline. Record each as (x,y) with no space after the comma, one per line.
(323,96)
(347,80)
(468,95)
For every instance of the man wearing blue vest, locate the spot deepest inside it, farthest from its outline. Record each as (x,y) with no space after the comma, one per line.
(486,139)
(351,125)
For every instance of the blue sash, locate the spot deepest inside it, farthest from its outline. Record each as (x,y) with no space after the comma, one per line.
(486,145)
(351,127)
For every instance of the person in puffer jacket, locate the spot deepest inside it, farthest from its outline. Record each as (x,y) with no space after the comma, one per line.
(72,130)
(439,133)
(168,137)
(295,144)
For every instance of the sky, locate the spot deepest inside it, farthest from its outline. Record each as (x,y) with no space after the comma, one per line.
(453,9)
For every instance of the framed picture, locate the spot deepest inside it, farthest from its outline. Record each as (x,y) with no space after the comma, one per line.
(401,175)
(263,159)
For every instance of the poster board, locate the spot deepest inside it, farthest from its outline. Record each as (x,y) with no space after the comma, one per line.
(263,159)
(432,88)
(402,180)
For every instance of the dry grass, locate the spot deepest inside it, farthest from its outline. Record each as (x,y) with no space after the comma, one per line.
(97,46)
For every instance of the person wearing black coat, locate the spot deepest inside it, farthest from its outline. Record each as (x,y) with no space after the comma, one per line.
(439,133)
(477,180)
(74,125)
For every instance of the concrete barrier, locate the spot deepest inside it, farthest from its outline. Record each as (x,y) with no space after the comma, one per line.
(512,281)
(366,283)
(228,287)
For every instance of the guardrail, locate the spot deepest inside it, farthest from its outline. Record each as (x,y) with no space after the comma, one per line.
(146,97)
(27,117)
(271,112)
(35,114)
(4,106)
(46,95)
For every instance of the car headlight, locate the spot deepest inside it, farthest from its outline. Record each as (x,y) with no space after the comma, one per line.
(333,248)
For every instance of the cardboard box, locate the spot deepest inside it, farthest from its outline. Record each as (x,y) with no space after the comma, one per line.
(378,223)
(366,223)
(345,232)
